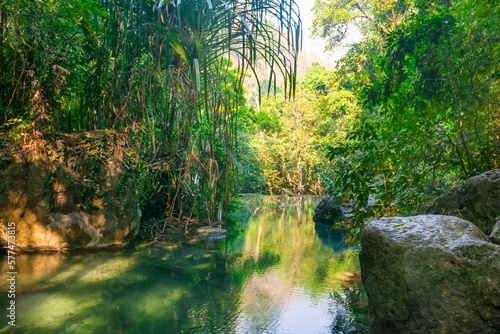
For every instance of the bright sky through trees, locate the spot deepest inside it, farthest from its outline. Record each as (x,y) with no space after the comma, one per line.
(313,49)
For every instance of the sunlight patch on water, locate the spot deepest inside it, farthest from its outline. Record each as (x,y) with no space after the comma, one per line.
(108,270)
(67,273)
(158,303)
(53,310)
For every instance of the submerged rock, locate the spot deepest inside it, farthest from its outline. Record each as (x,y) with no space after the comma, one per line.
(477,200)
(430,274)
(69,192)
(330,237)
(329,211)
(211,233)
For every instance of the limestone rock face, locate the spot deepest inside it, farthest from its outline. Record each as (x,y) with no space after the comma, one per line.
(430,274)
(329,211)
(68,192)
(477,200)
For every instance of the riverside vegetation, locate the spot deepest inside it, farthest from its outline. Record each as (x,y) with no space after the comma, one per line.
(410,111)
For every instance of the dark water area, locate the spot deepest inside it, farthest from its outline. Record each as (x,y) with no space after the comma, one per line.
(276,272)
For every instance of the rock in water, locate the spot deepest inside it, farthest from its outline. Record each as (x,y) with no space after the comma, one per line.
(477,200)
(430,274)
(328,211)
(211,233)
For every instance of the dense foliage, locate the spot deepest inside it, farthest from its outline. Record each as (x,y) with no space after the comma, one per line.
(430,92)
(288,137)
(166,73)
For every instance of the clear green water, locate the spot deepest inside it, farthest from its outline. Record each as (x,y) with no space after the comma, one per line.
(275,273)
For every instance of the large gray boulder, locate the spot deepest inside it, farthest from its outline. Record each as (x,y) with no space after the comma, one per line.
(430,274)
(69,192)
(477,200)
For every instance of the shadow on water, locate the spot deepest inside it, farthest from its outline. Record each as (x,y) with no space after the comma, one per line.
(331,237)
(273,274)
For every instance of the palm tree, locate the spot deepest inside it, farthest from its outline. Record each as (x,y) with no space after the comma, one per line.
(204,35)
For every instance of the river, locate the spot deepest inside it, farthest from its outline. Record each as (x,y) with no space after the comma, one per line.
(276,272)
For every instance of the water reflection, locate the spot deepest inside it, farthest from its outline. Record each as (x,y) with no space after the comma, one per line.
(272,275)
(331,237)
(31,268)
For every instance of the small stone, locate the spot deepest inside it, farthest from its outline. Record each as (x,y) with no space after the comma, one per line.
(211,233)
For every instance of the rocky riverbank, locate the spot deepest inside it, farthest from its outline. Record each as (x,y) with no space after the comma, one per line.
(437,273)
